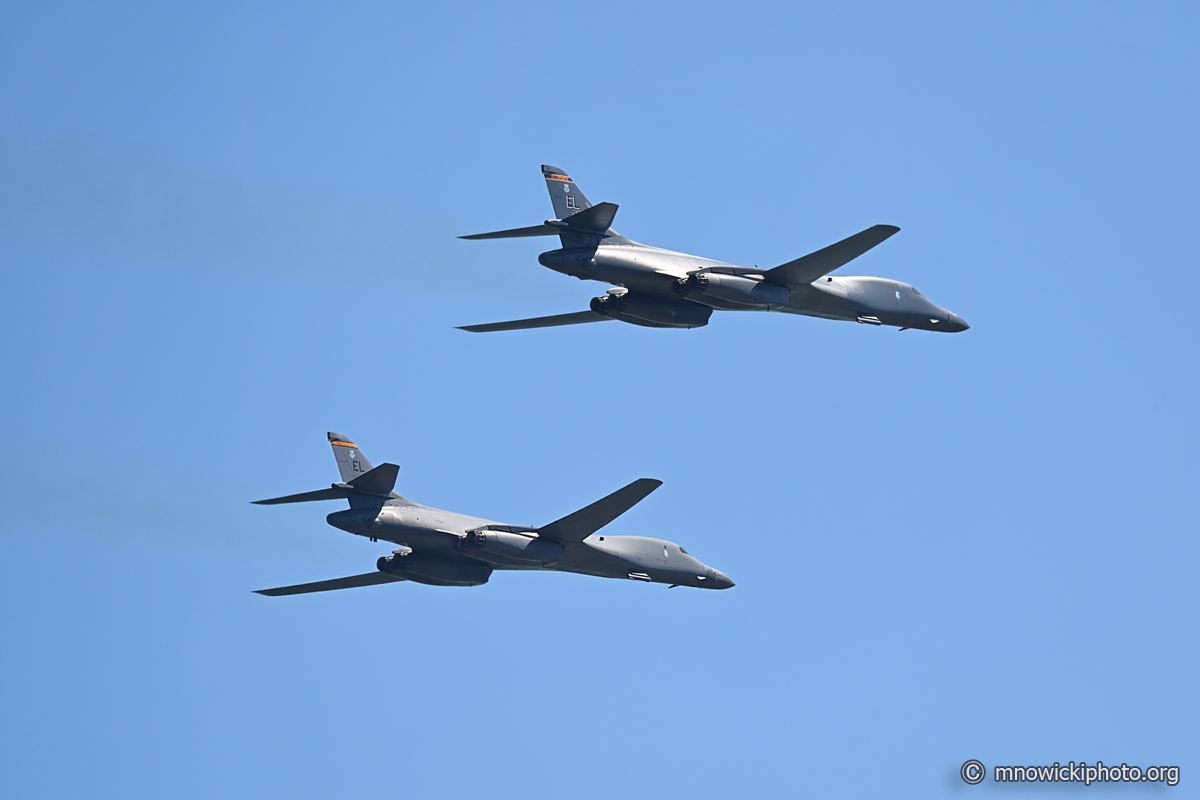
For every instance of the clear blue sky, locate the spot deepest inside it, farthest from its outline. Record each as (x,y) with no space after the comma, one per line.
(226,228)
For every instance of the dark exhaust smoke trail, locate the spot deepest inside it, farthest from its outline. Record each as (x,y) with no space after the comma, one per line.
(141,208)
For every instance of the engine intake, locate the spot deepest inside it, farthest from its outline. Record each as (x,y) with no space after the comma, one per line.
(434,571)
(652,312)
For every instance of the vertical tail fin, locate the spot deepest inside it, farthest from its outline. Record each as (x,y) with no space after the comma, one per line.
(363,484)
(574,227)
(564,194)
(350,460)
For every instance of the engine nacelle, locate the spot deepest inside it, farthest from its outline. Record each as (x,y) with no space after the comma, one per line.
(738,290)
(510,548)
(434,571)
(651,311)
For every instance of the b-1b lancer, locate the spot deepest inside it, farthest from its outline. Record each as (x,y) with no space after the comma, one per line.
(659,288)
(442,548)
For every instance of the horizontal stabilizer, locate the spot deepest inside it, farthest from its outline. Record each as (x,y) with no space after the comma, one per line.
(586,521)
(577,318)
(516,233)
(597,219)
(353,582)
(380,480)
(304,497)
(804,271)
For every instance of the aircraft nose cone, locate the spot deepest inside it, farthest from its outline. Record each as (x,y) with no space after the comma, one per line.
(722,581)
(958,324)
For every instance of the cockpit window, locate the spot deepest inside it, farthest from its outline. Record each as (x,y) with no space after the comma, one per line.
(685,552)
(918,294)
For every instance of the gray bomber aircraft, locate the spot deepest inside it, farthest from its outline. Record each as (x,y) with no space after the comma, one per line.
(442,548)
(659,288)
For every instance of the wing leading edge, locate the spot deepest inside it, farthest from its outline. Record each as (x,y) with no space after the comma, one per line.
(586,521)
(807,269)
(353,582)
(577,318)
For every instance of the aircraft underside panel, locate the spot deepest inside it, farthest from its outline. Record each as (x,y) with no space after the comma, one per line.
(822,313)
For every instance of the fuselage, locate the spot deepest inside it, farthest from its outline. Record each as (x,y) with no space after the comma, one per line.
(680,278)
(451,535)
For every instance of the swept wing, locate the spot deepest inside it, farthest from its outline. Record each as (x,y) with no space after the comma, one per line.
(353,582)
(804,271)
(586,521)
(577,318)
